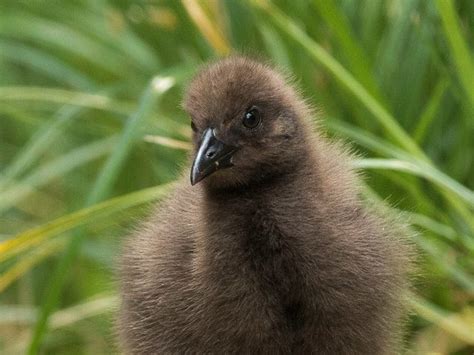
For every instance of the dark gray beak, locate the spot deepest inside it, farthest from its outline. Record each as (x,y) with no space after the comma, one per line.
(212,155)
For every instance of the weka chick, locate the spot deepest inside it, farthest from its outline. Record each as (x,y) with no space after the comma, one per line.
(273,252)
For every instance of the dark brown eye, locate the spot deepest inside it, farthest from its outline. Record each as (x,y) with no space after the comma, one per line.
(251,118)
(193,127)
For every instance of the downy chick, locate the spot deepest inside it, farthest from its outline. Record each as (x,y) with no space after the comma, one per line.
(273,251)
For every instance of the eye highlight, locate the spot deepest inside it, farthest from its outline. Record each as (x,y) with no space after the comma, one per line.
(251,118)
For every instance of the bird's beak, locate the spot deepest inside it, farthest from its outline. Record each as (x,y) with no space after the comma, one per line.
(212,155)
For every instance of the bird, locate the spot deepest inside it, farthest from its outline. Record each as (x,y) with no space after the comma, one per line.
(269,246)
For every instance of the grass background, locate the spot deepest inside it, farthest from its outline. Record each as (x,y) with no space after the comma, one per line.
(91,132)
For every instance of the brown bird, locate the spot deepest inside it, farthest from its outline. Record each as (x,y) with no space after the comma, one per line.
(274,252)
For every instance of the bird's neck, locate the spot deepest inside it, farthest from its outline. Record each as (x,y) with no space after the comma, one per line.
(255,215)
(251,191)
(249,241)
(267,179)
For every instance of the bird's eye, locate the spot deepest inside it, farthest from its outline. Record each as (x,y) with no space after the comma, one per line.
(193,127)
(251,118)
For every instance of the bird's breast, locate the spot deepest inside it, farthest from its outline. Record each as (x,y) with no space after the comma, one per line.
(255,261)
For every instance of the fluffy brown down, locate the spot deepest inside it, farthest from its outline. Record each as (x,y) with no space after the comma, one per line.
(275,255)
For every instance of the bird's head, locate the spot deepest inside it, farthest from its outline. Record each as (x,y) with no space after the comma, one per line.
(246,123)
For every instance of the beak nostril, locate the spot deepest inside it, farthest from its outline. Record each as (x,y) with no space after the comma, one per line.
(210,154)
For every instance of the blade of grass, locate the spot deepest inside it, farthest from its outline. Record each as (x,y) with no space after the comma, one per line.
(167,142)
(275,46)
(393,42)
(41,140)
(370,23)
(459,48)
(369,141)
(97,212)
(131,45)
(94,306)
(44,63)
(57,36)
(426,172)
(446,321)
(21,115)
(450,267)
(130,134)
(79,312)
(430,224)
(14,316)
(379,146)
(37,144)
(210,31)
(155,89)
(74,98)
(58,167)
(441,229)
(430,111)
(27,262)
(353,52)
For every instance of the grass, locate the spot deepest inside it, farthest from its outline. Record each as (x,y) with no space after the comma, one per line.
(91,132)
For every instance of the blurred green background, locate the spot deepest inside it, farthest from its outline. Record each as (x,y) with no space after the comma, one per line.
(91,131)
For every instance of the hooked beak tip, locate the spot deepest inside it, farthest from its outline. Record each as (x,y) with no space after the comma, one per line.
(212,155)
(195,178)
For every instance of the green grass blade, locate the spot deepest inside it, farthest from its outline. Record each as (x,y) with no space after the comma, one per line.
(445,231)
(139,53)
(168,142)
(424,171)
(58,167)
(275,46)
(352,50)
(433,226)
(450,267)
(60,96)
(57,36)
(129,135)
(38,143)
(96,305)
(460,49)
(441,318)
(430,111)
(32,237)
(369,141)
(15,316)
(27,262)
(44,63)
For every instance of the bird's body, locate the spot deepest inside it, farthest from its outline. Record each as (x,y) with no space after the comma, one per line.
(285,260)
